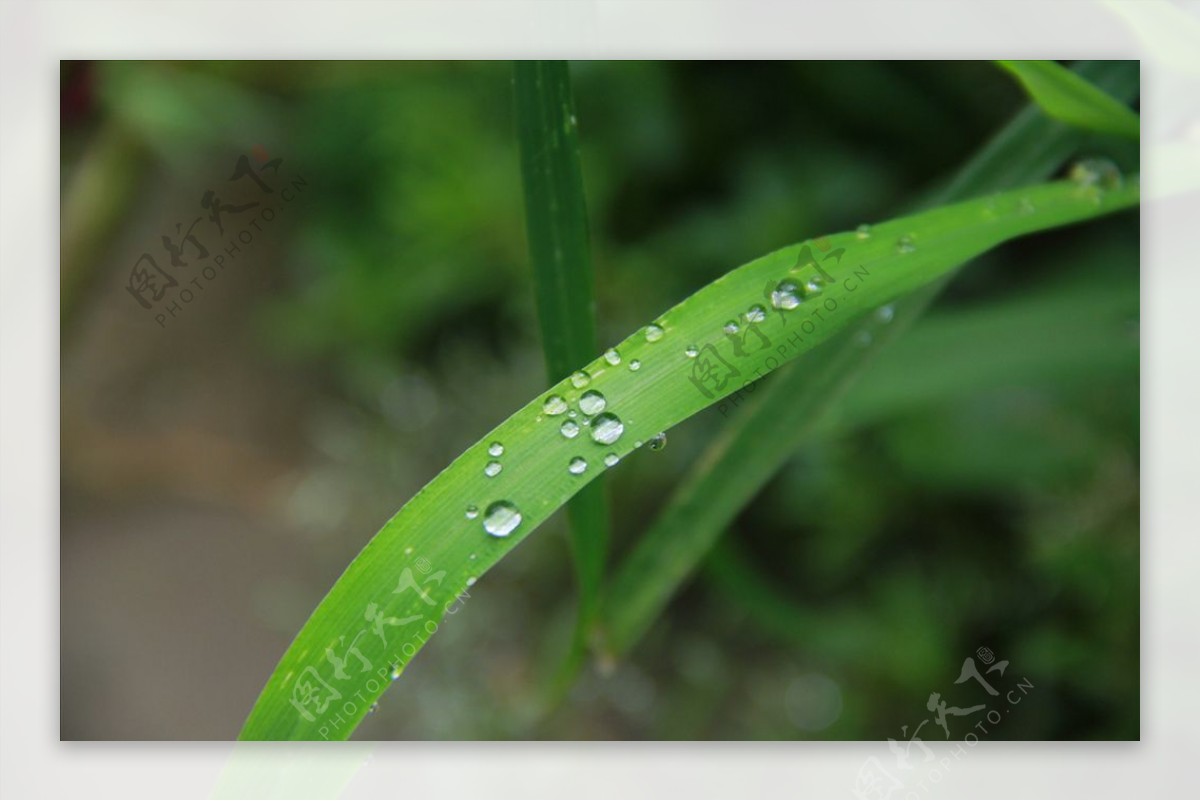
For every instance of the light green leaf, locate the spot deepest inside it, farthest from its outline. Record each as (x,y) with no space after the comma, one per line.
(1066,96)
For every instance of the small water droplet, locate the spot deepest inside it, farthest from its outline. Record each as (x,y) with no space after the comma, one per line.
(755,314)
(501,519)
(495,449)
(862,232)
(572,414)
(472,512)
(493,469)
(635,364)
(472,556)
(373,708)
(637,443)
(612,357)
(611,460)
(731,327)
(569,429)
(554,405)
(607,428)
(884,314)
(407,551)
(471,581)
(691,351)
(862,339)
(658,441)
(592,402)
(905,244)
(395,671)
(580,379)
(653,333)
(577,465)
(785,296)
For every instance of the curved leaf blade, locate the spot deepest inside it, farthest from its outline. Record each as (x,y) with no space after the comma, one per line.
(393,596)
(1066,96)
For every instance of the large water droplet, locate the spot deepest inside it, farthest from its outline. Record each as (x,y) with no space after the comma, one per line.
(862,232)
(755,314)
(612,357)
(580,379)
(731,327)
(905,244)
(611,460)
(784,296)
(592,402)
(658,441)
(1096,173)
(653,333)
(569,429)
(607,428)
(495,449)
(555,404)
(576,466)
(501,519)
(492,469)
(472,512)
(691,351)
(635,364)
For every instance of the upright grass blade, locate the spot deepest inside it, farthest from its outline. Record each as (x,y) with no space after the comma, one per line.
(557,229)
(1066,96)
(784,412)
(393,595)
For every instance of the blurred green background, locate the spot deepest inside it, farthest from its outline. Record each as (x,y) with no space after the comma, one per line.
(978,488)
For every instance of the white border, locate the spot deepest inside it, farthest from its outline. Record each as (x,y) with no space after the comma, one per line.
(34,37)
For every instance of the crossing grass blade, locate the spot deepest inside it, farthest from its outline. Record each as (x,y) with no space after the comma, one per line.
(425,560)
(557,230)
(790,408)
(1066,96)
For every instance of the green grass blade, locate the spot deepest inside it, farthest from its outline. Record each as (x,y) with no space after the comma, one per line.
(557,230)
(1066,96)
(392,597)
(787,410)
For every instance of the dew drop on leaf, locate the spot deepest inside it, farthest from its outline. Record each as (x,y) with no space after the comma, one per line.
(569,429)
(607,428)
(905,244)
(580,379)
(611,460)
(755,314)
(862,232)
(592,402)
(731,327)
(501,519)
(612,357)
(472,512)
(495,449)
(653,333)
(577,465)
(493,469)
(692,351)
(658,441)
(785,296)
(635,365)
(554,405)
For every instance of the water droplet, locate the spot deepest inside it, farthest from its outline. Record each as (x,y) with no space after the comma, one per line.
(653,333)
(580,379)
(373,708)
(862,232)
(862,338)
(407,551)
(905,244)
(884,314)
(493,469)
(569,429)
(607,428)
(1096,174)
(635,364)
(784,296)
(472,512)
(577,465)
(658,441)
(554,405)
(755,314)
(692,351)
(471,581)
(731,327)
(637,443)
(495,449)
(592,402)
(612,357)
(611,460)
(472,556)
(572,414)
(501,518)
(395,671)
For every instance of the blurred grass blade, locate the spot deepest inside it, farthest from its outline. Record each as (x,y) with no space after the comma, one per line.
(557,229)
(1066,96)
(392,597)
(787,410)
